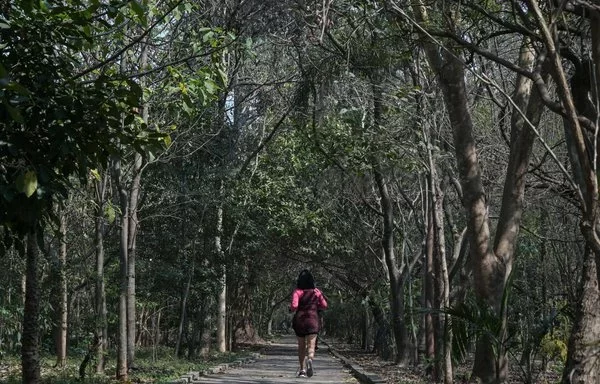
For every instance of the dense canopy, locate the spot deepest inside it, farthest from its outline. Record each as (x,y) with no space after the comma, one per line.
(167,168)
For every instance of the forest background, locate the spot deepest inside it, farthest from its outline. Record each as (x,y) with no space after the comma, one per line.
(168,167)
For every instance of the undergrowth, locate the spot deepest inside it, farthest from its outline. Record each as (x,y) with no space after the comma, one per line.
(161,369)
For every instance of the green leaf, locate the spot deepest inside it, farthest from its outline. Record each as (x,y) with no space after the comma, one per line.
(109,212)
(210,86)
(27,183)
(95,173)
(167,140)
(139,11)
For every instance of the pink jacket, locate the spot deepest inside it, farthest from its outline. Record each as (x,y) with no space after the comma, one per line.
(321,304)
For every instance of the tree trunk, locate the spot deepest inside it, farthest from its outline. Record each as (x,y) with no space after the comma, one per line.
(132,228)
(379,343)
(387,241)
(30,357)
(61,340)
(366,327)
(205,336)
(443,333)
(182,313)
(222,297)
(491,266)
(582,360)
(428,293)
(122,366)
(101,320)
(396,281)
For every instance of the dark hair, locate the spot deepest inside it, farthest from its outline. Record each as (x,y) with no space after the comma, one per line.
(305,280)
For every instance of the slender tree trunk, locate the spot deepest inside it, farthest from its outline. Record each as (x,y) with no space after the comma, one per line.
(122,366)
(366,326)
(132,228)
(183,312)
(101,320)
(428,293)
(396,281)
(205,336)
(61,341)
(444,331)
(222,297)
(30,355)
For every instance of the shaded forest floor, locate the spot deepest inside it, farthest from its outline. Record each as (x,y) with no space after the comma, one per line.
(416,374)
(164,368)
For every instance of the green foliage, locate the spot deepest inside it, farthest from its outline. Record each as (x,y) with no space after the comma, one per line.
(471,319)
(53,126)
(153,366)
(553,347)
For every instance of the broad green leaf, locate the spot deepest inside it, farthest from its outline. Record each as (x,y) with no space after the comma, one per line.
(27,183)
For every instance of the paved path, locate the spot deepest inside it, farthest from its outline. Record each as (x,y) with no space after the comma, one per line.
(280,364)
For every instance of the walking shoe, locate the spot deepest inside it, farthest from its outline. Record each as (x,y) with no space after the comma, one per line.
(309,368)
(302,373)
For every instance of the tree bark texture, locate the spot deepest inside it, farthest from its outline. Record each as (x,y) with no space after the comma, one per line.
(491,266)
(101,313)
(30,358)
(396,282)
(122,365)
(428,293)
(61,341)
(582,366)
(387,242)
(222,296)
(132,228)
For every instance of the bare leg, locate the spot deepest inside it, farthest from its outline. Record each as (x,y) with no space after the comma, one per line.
(301,351)
(311,341)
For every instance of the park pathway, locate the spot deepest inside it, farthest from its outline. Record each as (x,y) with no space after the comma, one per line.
(279,365)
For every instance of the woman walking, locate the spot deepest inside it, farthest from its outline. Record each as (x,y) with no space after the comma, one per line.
(306,302)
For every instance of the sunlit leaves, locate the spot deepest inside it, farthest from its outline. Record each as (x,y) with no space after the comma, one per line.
(27,183)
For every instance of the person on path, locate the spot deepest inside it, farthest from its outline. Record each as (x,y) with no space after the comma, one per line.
(306,302)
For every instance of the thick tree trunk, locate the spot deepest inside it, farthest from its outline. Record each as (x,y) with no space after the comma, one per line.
(101,314)
(61,340)
(30,355)
(491,266)
(582,360)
